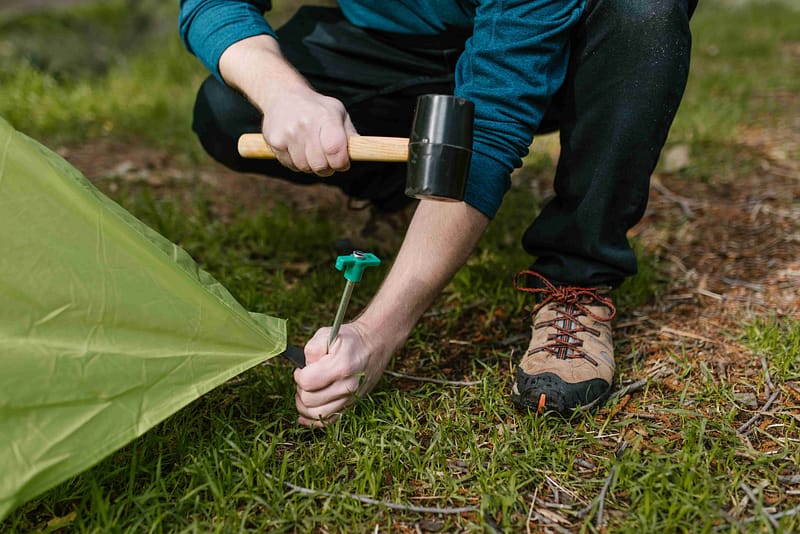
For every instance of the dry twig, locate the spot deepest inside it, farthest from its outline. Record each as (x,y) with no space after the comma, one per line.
(630,388)
(698,337)
(683,202)
(744,429)
(599,501)
(767,377)
(434,380)
(754,500)
(551,523)
(530,512)
(369,500)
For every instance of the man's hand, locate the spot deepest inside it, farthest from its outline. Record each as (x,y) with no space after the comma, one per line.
(307,131)
(331,381)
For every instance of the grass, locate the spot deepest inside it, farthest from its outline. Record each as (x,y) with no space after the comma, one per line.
(779,340)
(221,464)
(737,70)
(86,88)
(96,87)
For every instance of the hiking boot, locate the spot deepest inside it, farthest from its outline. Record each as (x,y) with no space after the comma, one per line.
(570,359)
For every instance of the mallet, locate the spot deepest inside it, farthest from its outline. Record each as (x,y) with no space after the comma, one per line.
(438,150)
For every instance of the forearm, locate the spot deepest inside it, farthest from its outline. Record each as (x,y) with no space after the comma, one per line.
(438,242)
(256,67)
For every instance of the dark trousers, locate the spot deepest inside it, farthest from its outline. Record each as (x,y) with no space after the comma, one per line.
(629,61)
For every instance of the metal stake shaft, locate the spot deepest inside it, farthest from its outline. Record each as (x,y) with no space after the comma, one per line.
(337,321)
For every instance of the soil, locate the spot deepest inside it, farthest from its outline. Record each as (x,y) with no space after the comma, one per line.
(110,163)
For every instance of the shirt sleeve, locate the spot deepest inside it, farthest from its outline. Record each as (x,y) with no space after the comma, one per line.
(208,27)
(512,65)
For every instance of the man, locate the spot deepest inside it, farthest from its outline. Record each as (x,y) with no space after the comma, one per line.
(609,74)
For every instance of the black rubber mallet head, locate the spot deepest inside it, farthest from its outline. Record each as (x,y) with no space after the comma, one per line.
(438,150)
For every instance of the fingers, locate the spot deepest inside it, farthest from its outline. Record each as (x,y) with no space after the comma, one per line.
(323,406)
(327,384)
(333,142)
(331,380)
(317,346)
(349,129)
(309,134)
(345,388)
(319,422)
(320,372)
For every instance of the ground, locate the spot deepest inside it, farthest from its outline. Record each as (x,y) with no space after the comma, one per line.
(729,253)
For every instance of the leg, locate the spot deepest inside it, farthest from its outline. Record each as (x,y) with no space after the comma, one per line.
(376,77)
(628,69)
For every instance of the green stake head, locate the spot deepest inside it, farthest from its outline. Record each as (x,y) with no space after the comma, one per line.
(355,263)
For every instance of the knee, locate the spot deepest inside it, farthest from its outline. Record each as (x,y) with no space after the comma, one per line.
(220,116)
(651,36)
(648,22)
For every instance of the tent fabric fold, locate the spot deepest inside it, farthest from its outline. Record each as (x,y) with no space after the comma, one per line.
(106,327)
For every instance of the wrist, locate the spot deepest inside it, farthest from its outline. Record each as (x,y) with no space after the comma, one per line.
(274,75)
(387,333)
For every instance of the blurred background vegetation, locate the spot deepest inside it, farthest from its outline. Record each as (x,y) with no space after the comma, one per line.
(71,70)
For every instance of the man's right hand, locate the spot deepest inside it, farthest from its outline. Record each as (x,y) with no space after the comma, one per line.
(307,131)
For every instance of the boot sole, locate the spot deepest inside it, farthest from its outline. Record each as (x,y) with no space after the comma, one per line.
(547,392)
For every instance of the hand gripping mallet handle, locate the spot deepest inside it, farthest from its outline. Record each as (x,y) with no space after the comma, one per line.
(353,266)
(438,150)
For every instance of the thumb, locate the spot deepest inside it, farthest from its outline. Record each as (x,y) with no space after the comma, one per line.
(317,346)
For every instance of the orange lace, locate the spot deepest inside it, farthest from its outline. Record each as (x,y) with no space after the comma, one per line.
(572,303)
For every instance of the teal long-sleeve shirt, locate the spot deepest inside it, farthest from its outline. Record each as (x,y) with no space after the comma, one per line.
(514,62)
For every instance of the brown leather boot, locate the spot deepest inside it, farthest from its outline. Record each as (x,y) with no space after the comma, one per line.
(570,358)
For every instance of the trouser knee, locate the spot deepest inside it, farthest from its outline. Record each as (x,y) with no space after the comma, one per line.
(221,115)
(645,25)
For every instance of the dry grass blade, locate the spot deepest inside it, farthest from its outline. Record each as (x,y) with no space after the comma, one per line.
(744,428)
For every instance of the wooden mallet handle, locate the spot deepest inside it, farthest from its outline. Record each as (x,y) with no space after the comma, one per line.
(361,148)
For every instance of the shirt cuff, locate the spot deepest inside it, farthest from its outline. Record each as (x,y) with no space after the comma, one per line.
(488,181)
(218,27)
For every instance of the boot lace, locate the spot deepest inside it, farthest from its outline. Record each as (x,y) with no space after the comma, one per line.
(570,303)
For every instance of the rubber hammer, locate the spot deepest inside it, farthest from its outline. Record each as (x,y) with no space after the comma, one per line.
(438,150)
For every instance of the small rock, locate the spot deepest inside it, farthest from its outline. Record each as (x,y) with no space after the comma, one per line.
(747,399)
(676,158)
(428,525)
(121,169)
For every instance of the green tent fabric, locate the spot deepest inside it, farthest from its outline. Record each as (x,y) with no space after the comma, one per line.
(106,328)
